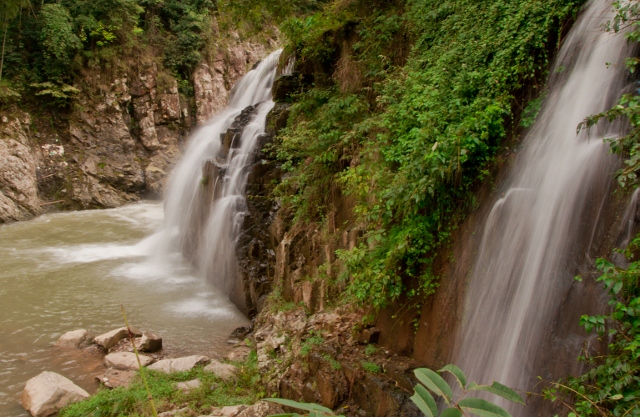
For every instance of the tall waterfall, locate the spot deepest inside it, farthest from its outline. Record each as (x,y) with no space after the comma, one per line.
(216,161)
(546,215)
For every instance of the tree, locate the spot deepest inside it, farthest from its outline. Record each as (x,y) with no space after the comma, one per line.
(8,11)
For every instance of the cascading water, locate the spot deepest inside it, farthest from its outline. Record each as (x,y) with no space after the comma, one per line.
(206,231)
(545,216)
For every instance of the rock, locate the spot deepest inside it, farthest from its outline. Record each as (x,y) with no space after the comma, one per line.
(223,371)
(284,86)
(189,385)
(179,364)
(73,338)
(228,411)
(47,393)
(182,412)
(126,361)
(261,409)
(238,353)
(114,378)
(209,91)
(370,335)
(18,182)
(149,342)
(109,340)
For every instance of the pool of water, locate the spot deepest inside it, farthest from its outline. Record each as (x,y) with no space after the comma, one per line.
(66,271)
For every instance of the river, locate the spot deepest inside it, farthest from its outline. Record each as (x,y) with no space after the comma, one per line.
(67,271)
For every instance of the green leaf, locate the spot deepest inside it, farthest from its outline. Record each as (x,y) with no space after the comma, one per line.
(482,408)
(499,389)
(434,382)
(451,412)
(301,406)
(424,401)
(457,372)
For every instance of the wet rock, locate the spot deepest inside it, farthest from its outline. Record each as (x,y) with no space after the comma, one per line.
(241,332)
(179,364)
(238,353)
(149,342)
(114,378)
(285,86)
(189,385)
(45,394)
(223,371)
(261,409)
(126,361)
(110,339)
(73,338)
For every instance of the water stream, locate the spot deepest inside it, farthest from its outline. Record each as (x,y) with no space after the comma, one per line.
(66,271)
(545,216)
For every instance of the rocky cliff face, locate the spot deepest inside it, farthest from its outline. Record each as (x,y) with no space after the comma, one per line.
(119,140)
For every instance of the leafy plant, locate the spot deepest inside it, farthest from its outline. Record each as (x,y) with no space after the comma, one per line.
(314,410)
(372,367)
(432,381)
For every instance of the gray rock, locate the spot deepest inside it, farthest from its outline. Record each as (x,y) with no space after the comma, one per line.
(238,353)
(114,378)
(223,371)
(47,393)
(189,385)
(110,339)
(184,364)
(261,409)
(149,342)
(73,338)
(228,411)
(182,412)
(126,361)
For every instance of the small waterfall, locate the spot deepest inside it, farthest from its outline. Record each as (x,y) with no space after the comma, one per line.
(205,202)
(543,222)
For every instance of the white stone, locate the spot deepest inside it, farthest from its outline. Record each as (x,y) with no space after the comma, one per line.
(228,411)
(261,409)
(223,371)
(187,363)
(73,338)
(126,361)
(47,393)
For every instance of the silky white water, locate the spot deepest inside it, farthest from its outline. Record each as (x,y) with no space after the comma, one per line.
(547,209)
(67,271)
(215,239)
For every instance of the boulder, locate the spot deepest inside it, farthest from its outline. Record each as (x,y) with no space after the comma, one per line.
(149,342)
(109,340)
(72,339)
(182,412)
(189,385)
(47,393)
(261,409)
(184,364)
(223,371)
(114,378)
(126,361)
(238,353)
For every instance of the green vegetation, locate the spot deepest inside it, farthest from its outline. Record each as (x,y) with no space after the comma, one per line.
(132,401)
(312,340)
(431,381)
(405,105)
(372,367)
(612,386)
(314,410)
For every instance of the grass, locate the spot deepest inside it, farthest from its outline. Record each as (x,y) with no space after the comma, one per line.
(132,401)
(374,368)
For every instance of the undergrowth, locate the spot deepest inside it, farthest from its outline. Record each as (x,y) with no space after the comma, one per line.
(132,401)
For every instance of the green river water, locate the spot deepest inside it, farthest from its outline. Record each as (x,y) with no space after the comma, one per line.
(67,271)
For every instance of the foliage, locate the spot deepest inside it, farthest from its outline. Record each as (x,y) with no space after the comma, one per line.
(410,135)
(132,401)
(431,381)
(59,93)
(314,410)
(312,340)
(627,18)
(59,42)
(612,386)
(372,367)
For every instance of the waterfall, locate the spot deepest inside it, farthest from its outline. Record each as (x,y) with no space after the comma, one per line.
(205,202)
(545,216)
